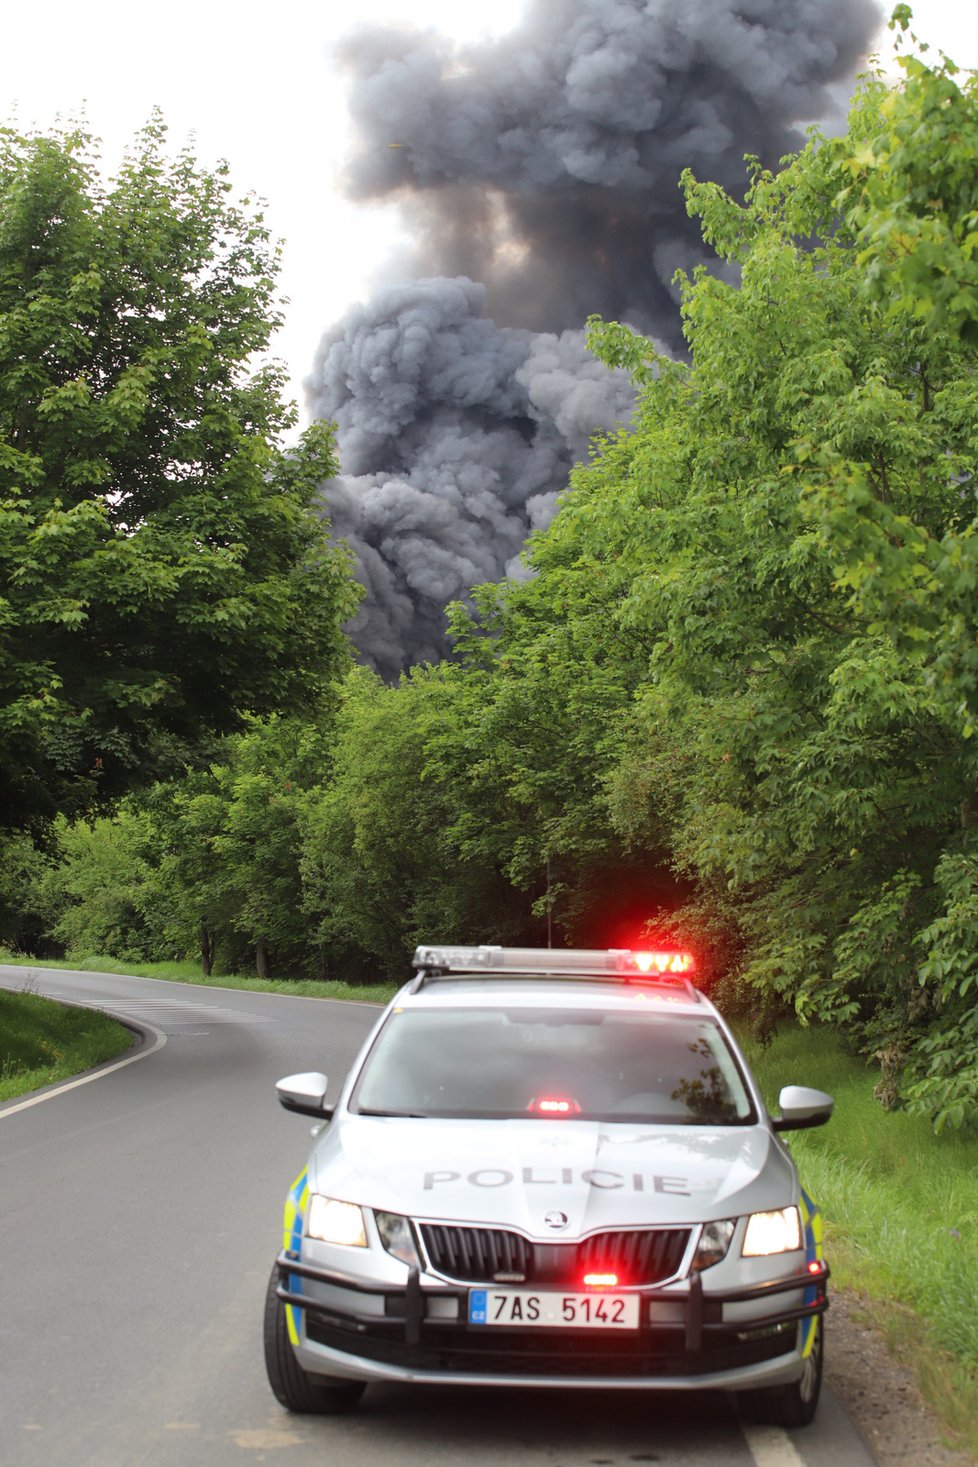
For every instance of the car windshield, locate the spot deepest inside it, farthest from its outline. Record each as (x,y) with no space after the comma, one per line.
(503,1063)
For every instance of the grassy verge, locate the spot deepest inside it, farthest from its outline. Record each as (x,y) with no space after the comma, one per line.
(42,1041)
(901,1212)
(189,972)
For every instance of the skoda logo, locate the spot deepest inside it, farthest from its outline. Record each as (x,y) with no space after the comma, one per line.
(555,1219)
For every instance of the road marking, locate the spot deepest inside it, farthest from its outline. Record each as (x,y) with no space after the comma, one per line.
(363,1003)
(177,1012)
(770,1446)
(131,1059)
(262,1441)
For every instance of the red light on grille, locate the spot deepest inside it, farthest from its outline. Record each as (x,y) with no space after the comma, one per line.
(600,1280)
(554,1105)
(814,1267)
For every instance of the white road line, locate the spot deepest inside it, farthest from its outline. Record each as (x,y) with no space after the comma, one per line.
(87,1079)
(770,1446)
(182,1012)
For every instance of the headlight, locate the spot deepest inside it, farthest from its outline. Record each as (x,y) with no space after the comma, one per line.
(713,1244)
(772,1232)
(397,1237)
(336,1222)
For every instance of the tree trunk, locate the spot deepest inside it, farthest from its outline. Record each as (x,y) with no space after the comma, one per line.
(261,957)
(206,950)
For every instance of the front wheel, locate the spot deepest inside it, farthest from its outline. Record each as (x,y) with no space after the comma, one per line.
(795,1404)
(297,1389)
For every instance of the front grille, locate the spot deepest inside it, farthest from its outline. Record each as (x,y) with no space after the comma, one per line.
(476,1255)
(485,1255)
(637,1258)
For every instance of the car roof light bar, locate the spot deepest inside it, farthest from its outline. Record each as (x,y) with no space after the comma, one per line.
(663,965)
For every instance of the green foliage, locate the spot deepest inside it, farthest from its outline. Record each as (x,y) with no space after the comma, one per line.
(230,840)
(391,856)
(911,192)
(161,570)
(944,1074)
(208,865)
(99,888)
(25,913)
(794,542)
(743,677)
(551,676)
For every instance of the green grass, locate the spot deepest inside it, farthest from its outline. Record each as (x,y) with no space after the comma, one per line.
(42,1041)
(189,972)
(901,1212)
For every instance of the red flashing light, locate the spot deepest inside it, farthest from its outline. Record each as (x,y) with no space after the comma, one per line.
(600,1280)
(554,1105)
(664,962)
(814,1266)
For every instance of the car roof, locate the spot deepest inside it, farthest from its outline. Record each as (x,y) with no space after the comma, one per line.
(535,991)
(460,976)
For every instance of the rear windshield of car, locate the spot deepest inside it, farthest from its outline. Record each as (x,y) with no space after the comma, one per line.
(503,1063)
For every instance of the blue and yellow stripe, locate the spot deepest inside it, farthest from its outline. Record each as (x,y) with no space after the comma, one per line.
(295,1212)
(811,1219)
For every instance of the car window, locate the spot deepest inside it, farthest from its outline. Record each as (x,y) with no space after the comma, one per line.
(519,1062)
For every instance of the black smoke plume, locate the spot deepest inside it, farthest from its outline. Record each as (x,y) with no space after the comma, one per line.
(544,166)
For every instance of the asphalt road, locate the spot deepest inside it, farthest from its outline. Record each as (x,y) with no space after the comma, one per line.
(139,1217)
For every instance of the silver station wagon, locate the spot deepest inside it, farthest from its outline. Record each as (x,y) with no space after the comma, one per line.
(549,1168)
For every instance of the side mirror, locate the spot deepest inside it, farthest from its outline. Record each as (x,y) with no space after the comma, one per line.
(802,1108)
(305,1094)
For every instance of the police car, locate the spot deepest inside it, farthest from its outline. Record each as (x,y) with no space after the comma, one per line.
(549,1168)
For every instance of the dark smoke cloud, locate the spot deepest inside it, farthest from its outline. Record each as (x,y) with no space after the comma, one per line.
(456,435)
(543,165)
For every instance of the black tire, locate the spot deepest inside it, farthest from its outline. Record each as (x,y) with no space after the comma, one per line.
(297,1389)
(791,1405)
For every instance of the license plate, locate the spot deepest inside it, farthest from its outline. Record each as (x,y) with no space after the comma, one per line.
(522,1307)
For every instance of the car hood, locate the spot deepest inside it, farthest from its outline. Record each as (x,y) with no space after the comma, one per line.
(516,1172)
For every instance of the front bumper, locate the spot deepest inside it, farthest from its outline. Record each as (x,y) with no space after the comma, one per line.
(688,1340)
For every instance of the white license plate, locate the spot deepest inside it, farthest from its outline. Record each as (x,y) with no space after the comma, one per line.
(522,1307)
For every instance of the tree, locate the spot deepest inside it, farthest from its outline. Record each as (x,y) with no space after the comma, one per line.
(273,770)
(793,525)
(749,648)
(383,865)
(912,194)
(162,570)
(25,907)
(206,865)
(551,675)
(98,893)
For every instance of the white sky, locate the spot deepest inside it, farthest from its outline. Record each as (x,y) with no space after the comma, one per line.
(254,85)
